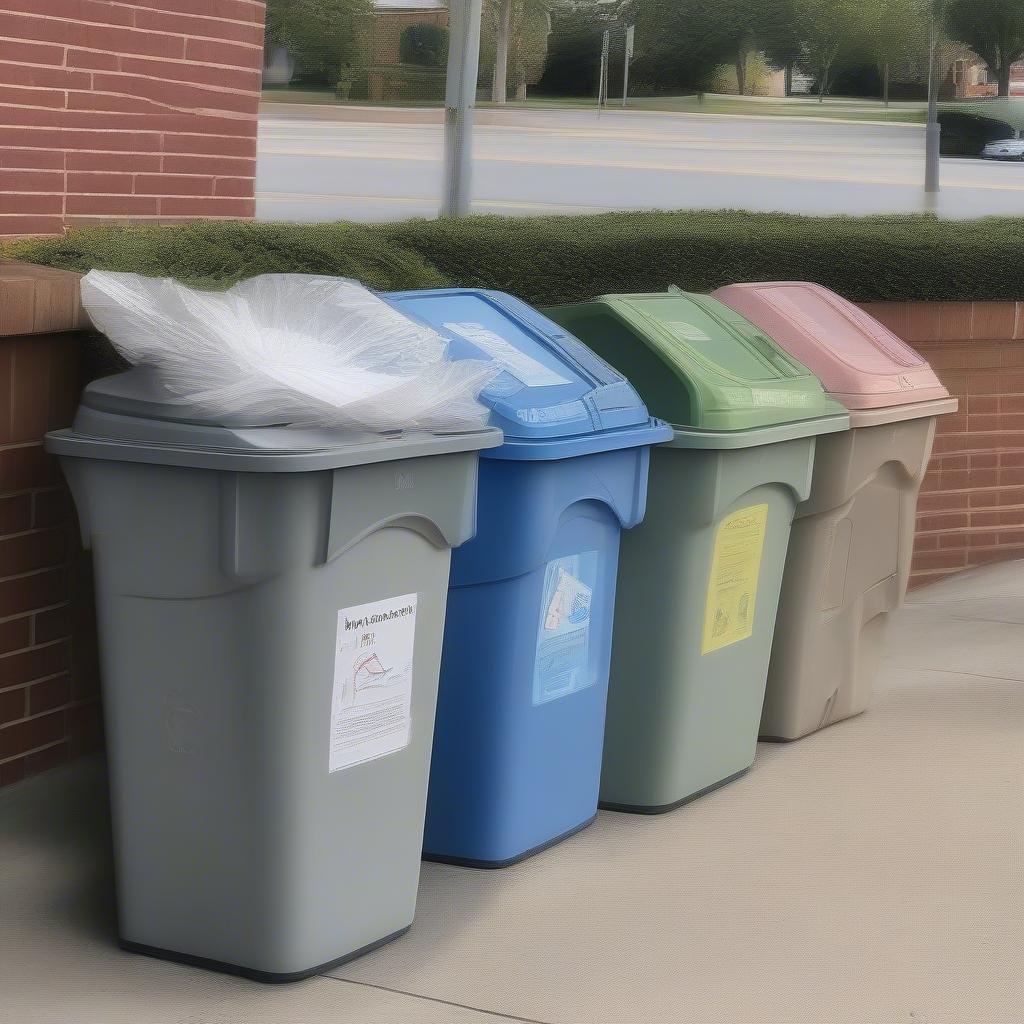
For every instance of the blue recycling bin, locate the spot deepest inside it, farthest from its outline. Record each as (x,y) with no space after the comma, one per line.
(524,674)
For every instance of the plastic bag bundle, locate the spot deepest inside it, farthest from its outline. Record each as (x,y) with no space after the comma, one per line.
(289,348)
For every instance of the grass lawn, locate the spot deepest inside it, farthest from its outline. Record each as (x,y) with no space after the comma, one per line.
(286,94)
(843,109)
(838,108)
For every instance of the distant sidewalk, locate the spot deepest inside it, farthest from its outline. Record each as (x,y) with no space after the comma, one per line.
(527,114)
(353,114)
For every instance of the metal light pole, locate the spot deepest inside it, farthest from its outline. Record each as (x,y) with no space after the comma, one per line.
(459,104)
(932,130)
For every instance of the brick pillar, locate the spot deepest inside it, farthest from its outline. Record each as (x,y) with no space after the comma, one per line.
(49,708)
(971,510)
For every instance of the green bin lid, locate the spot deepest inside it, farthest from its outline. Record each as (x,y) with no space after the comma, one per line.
(700,365)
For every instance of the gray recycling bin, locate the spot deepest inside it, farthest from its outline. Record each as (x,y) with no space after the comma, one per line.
(271,604)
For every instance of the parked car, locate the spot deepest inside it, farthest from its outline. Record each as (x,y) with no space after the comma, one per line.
(1004,149)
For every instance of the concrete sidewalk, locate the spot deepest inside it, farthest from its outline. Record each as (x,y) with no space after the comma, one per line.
(516,115)
(870,873)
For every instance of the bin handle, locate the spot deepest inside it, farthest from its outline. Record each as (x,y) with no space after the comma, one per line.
(347,525)
(883,597)
(337,545)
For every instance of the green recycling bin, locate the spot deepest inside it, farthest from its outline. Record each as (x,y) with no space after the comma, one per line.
(699,580)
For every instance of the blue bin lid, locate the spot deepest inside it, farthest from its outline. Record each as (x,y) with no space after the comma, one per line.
(554,397)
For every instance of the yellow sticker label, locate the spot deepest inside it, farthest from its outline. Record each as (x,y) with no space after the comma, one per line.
(732,586)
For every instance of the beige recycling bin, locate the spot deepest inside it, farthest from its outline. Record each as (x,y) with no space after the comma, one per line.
(850,551)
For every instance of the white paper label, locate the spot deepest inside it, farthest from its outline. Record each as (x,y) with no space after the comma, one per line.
(524,368)
(688,331)
(371,701)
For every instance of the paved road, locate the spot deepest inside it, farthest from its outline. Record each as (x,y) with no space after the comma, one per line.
(571,161)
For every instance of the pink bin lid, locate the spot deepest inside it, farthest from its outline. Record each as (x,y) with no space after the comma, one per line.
(857,359)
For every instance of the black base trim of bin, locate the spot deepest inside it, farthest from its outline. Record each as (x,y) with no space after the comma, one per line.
(469,862)
(662,808)
(267,977)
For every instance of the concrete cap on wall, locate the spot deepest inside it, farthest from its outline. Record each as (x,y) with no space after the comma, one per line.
(39,300)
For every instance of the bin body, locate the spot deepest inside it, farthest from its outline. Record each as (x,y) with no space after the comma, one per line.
(524,676)
(699,580)
(262,824)
(850,553)
(517,759)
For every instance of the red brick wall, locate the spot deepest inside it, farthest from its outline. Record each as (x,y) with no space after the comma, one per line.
(127,109)
(971,509)
(49,683)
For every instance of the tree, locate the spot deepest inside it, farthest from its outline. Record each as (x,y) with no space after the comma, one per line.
(574,54)
(779,36)
(894,32)
(680,43)
(827,29)
(994,30)
(515,39)
(319,34)
(741,22)
(503,30)
(531,29)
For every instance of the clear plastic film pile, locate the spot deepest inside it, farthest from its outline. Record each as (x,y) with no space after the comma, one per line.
(290,349)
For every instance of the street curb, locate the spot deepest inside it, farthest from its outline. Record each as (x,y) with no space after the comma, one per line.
(494,116)
(356,115)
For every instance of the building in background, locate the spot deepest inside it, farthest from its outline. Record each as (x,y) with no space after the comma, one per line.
(971,78)
(387,75)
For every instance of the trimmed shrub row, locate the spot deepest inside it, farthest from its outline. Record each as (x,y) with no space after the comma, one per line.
(216,254)
(563,259)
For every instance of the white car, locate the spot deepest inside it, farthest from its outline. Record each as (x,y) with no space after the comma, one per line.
(1004,149)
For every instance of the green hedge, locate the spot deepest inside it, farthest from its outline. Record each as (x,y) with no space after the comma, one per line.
(215,254)
(561,259)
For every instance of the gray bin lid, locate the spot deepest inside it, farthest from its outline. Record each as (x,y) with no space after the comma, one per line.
(131,417)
